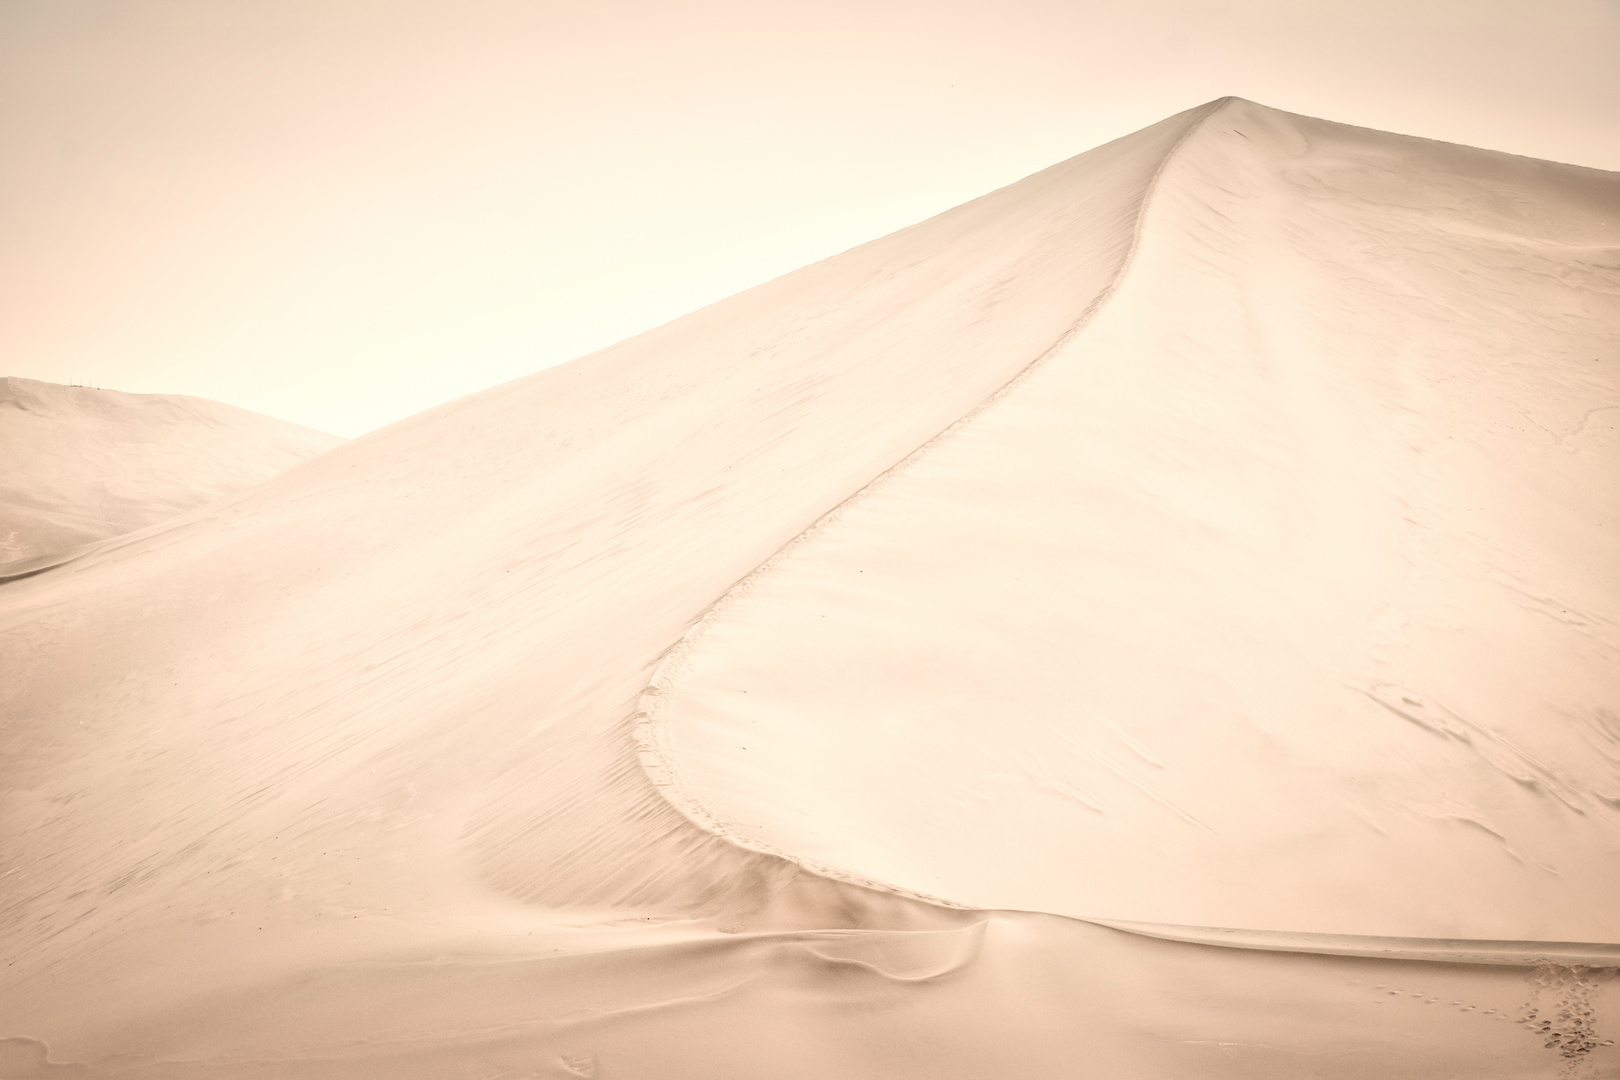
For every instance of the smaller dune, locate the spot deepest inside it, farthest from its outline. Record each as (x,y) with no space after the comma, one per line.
(82,465)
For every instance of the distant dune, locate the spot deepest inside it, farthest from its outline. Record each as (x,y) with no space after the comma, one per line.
(82,465)
(1159,619)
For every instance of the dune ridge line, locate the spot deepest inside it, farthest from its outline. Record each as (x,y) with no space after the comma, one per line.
(653,745)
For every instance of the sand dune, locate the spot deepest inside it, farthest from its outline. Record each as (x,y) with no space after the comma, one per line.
(82,465)
(1213,529)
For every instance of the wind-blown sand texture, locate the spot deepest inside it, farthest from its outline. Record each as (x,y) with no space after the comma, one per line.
(79,465)
(1156,620)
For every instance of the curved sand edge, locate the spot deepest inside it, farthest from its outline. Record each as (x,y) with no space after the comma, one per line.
(650,731)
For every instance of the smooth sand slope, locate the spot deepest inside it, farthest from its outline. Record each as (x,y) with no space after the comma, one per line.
(82,465)
(459,751)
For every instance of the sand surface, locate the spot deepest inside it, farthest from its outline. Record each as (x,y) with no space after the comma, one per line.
(1156,620)
(82,464)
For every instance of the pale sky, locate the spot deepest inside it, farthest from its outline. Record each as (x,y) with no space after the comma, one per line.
(341,212)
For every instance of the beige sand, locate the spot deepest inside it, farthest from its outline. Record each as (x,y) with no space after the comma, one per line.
(82,464)
(1176,470)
